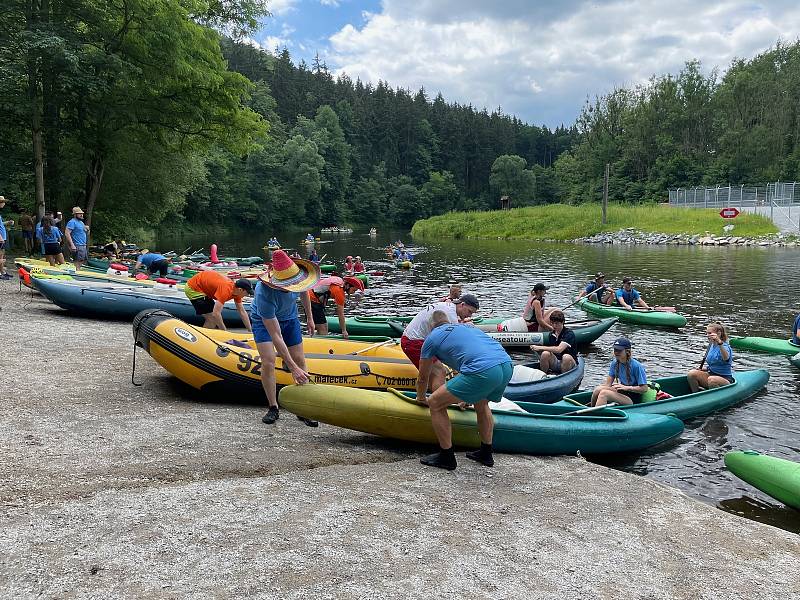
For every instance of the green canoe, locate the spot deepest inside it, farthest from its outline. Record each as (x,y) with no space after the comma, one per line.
(586,331)
(684,404)
(774,476)
(641,316)
(764,344)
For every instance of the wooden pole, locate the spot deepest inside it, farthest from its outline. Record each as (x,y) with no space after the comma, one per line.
(605,194)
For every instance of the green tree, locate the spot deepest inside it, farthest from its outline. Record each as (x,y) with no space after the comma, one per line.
(440,193)
(510,178)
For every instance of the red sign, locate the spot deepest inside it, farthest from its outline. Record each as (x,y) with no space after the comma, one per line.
(729,213)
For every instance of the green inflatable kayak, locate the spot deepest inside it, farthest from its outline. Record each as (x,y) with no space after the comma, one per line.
(586,331)
(659,318)
(683,404)
(774,476)
(765,344)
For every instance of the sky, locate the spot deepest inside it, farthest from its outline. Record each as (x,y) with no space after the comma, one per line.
(536,59)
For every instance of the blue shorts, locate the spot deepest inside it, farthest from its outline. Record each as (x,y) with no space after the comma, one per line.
(486,385)
(80,254)
(27,235)
(290,331)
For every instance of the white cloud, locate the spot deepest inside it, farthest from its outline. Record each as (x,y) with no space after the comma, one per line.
(331,3)
(541,60)
(281,7)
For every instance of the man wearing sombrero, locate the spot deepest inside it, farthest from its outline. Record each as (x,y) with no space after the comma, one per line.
(276,324)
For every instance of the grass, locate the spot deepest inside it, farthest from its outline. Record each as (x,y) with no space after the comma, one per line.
(566,222)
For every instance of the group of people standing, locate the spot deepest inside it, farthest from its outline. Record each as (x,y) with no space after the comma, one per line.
(47,235)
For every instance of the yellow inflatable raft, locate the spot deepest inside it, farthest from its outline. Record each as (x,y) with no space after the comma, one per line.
(222,362)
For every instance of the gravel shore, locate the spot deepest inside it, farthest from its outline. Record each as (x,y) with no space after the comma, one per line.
(110,490)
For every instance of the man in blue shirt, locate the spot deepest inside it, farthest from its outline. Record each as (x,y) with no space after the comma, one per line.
(276,325)
(484,370)
(77,237)
(154,262)
(4,276)
(627,297)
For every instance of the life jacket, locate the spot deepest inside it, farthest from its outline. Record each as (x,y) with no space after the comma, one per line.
(358,267)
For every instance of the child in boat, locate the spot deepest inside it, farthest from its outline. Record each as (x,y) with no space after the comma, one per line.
(718,361)
(626,380)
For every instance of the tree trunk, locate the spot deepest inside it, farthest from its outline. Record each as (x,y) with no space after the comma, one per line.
(52,125)
(34,95)
(94,179)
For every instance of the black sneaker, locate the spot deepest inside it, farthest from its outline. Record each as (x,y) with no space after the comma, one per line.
(481,457)
(309,422)
(441,460)
(271,416)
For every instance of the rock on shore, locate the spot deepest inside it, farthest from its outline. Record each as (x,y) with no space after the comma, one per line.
(633,236)
(111,490)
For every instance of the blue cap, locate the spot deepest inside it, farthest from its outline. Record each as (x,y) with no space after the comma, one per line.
(622,343)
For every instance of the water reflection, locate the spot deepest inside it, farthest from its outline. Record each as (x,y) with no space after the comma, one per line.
(749,289)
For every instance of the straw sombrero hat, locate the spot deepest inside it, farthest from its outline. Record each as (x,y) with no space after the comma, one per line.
(291,275)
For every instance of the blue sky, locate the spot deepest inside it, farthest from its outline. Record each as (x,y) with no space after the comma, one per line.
(537,59)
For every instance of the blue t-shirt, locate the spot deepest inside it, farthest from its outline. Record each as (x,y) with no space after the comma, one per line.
(795,339)
(630,297)
(149,258)
(3,232)
(593,287)
(269,303)
(617,370)
(78,232)
(716,365)
(52,238)
(464,348)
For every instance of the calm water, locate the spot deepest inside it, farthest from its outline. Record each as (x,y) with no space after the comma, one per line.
(752,291)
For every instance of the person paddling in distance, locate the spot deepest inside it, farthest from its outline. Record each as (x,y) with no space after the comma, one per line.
(337,288)
(535,314)
(484,370)
(421,325)
(626,380)
(276,324)
(561,356)
(597,290)
(314,257)
(718,360)
(627,297)
(77,237)
(208,291)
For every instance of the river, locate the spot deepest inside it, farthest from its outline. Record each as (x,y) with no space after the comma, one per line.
(751,290)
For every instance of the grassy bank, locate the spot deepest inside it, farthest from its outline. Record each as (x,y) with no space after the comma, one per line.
(565,222)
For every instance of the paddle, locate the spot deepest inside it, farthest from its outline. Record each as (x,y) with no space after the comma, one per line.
(605,287)
(373,346)
(591,409)
(702,362)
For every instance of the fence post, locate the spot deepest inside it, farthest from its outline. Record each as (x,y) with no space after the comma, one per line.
(741,198)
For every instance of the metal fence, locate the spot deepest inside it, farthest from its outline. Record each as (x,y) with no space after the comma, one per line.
(779,201)
(740,196)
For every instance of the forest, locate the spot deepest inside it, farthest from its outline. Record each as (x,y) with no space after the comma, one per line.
(150,114)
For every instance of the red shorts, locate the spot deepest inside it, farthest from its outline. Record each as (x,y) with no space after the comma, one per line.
(412,348)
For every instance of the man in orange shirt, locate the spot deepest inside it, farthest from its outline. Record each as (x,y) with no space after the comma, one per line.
(336,288)
(208,291)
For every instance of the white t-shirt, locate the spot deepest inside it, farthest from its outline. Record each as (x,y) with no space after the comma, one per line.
(421,325)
